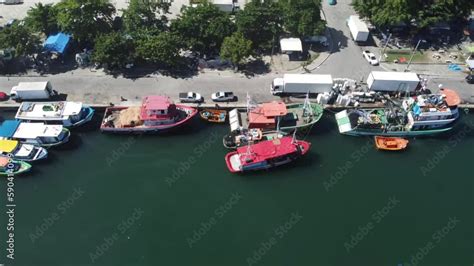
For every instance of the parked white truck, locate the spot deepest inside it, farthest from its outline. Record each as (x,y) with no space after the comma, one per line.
(32,91)
(358,29)
(393,81)
(298,84)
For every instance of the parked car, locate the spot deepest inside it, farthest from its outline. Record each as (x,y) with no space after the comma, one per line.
(223,96)
(332,2)
(370,57)
(3,96)
(470,79)
(190,97)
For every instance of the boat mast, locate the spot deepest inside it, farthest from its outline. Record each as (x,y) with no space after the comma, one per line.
(307,110)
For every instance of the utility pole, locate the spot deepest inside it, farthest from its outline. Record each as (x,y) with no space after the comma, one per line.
(413,54)
(385,47)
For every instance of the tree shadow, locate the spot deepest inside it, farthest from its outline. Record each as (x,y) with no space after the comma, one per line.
(255,67)
(338,40)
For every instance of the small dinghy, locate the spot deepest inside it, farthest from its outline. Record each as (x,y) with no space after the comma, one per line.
(9,167)
(390,143)
(213,115)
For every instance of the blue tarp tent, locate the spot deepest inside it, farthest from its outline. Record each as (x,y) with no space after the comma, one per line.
(8,128)
(57,43)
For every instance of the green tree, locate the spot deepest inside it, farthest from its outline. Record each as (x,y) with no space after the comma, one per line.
(428,12)
(113,50)
(42,18)
(261,23)
(85,19)
(203,28)
(236,48)
(302,17)
(160,49)
(142,16)
(20,38)
(385,13)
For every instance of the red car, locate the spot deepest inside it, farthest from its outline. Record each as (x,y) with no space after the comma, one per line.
(3,96)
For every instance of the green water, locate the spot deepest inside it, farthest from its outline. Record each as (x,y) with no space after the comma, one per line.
(121,200)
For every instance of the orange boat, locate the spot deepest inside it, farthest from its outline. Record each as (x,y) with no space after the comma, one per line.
(390,143)
(213,115)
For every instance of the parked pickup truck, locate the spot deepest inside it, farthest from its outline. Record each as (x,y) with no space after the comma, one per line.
(190,97)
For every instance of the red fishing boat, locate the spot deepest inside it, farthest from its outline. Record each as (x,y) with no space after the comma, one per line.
(156,114)
(266,154)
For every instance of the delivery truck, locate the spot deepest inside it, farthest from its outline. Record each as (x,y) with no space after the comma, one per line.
(301,84)
(393,81)
(358,29)
(32,91)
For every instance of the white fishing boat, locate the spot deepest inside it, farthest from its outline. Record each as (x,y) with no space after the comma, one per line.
(22,151)
(34,133)
(68,114)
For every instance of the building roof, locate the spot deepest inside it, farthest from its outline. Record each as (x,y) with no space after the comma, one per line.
(8,145)
(8,128)
(307,78)
(57,43)
(390,75)
(291,45)
(34,130)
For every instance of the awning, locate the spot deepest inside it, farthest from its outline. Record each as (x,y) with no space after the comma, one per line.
(57,43)
(291,45)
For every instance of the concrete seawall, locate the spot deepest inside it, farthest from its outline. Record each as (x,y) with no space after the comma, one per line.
(229,106)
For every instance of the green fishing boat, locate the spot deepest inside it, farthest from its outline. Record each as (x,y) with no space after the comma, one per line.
(276,116)
(12,167)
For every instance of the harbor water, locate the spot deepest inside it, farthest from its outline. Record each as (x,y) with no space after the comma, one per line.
(170,200)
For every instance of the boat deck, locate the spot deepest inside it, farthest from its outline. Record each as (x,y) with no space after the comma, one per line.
(48,110)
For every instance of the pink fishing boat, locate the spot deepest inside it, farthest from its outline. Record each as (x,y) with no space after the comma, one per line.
(156,114)
(266,154)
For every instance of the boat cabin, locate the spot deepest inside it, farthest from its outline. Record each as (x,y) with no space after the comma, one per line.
(66,112)
(266,115)
(158,110)
(32,133)
(433,110)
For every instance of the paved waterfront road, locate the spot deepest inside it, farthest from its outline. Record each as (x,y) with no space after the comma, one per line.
(346,59)
(99,89)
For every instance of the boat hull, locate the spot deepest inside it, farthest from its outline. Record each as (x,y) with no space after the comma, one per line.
(430,132)
(213,115)
(24,167)
(191,112)
(317,111)
(87,117)
(265,164)
(67,135)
